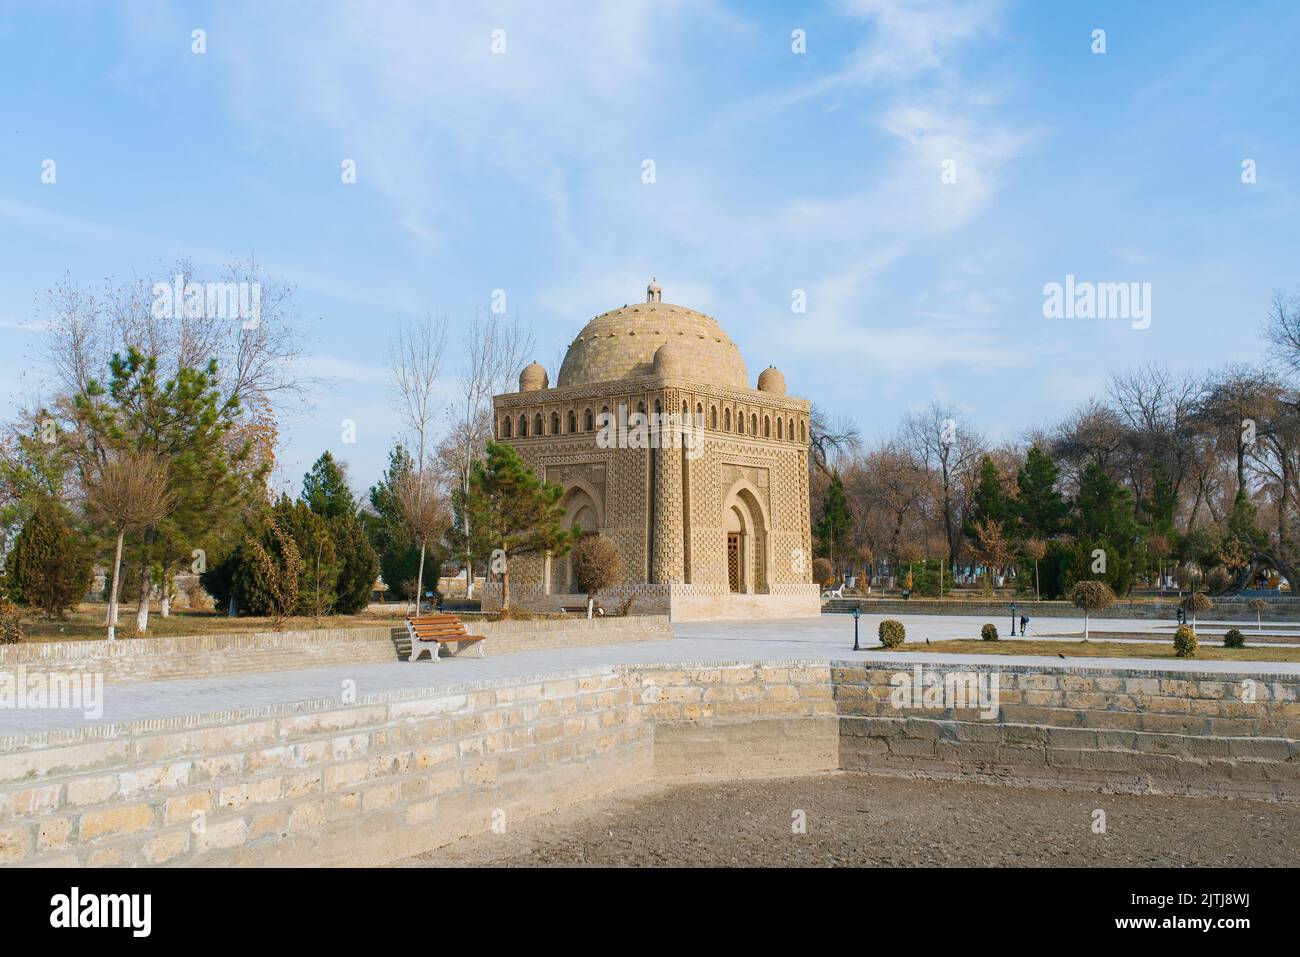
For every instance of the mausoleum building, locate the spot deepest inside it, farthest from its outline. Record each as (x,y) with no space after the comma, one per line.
(661,444)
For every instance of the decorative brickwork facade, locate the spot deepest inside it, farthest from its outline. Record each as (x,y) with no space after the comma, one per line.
(709,507)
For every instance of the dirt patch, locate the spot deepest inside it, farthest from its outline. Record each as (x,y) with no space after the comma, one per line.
(859,820)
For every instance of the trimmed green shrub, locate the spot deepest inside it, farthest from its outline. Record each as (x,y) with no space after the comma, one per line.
(1185,642)
(1234,639)
(989,632)
(892,633)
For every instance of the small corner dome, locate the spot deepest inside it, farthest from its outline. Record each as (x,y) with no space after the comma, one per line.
(533,378)
(771,380)
(670,360)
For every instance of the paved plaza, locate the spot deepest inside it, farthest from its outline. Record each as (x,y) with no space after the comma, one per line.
(829,637)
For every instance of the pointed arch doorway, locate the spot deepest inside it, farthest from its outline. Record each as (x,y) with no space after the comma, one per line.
(580,512)
(745,535)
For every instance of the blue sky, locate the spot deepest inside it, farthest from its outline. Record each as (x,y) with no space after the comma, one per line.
(775,171)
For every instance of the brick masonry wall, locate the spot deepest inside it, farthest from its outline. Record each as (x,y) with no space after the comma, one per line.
(142,659)
(319,783)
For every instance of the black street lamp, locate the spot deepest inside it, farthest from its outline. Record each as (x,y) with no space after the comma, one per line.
(1013,619)
(857,612)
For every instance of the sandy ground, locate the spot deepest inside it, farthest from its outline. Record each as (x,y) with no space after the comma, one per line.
(856,820)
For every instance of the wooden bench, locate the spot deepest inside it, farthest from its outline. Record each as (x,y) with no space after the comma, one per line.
(430,632)
(596,611)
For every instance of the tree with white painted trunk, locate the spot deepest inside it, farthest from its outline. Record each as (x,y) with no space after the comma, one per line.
(597,566)
(1089,596)
(183,426)
(131,493)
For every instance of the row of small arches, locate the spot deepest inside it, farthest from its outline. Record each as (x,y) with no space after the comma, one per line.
(784,427)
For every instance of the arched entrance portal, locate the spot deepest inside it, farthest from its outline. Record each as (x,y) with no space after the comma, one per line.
(580,511)
(745,534)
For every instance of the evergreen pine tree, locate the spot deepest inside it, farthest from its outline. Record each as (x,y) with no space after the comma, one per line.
(325,489)
(836,523)
(398,551)
(1040,507)
(511,509)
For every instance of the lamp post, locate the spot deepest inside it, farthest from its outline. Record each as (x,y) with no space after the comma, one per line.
(857,612)
(1013,619)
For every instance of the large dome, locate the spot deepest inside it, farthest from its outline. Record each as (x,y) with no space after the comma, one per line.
(622,343)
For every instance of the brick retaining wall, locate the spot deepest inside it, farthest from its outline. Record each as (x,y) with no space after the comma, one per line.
(399,773)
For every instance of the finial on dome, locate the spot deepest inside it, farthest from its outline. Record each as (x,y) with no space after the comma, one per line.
(653,293)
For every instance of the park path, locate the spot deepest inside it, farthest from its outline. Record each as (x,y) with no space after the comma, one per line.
(829,637)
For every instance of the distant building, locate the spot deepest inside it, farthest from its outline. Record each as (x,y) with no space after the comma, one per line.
(660,444)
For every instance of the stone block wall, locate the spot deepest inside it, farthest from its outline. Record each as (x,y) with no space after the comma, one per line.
(1173,732)
(323,784)
(396,774)
(320,783)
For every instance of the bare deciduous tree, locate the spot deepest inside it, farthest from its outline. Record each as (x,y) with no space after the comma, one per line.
(258,365)
(1282,328)
(829,437)
(424,509)
(415,359)
(597,565)
(950,451)
(131,492)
